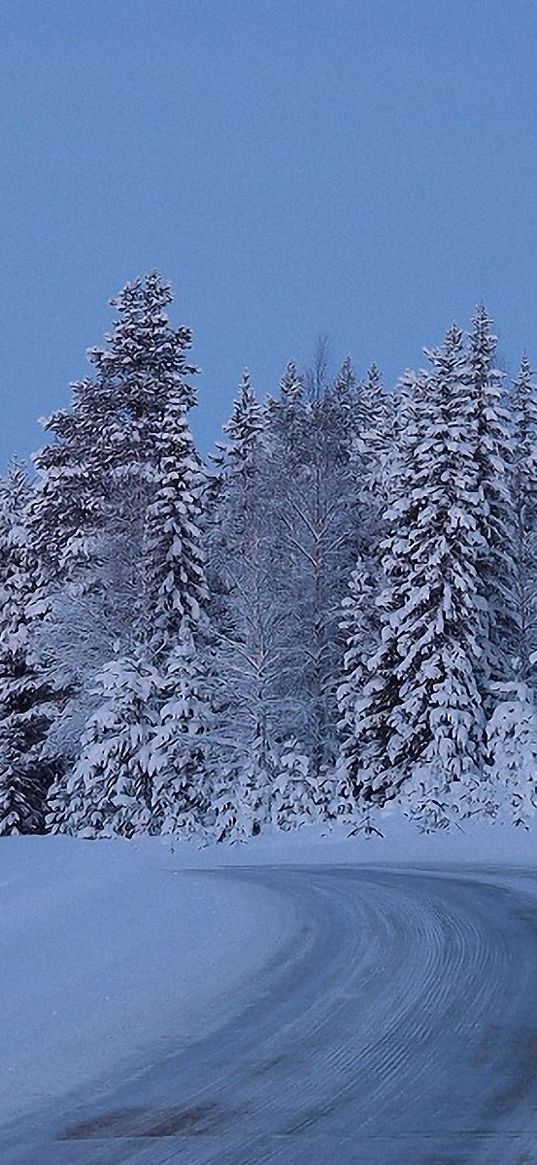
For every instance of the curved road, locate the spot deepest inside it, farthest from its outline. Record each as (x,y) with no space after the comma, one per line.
(397,1027)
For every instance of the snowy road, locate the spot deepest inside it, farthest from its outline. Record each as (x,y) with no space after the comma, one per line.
(398,1026)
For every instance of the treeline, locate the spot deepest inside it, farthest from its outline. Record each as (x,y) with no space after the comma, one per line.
(338,612)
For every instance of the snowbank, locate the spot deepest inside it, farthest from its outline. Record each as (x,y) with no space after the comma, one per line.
(476,844)
(108,958)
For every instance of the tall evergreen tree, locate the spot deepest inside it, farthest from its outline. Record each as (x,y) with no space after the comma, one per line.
(117,611)
(493,450)
(181,750)
(369,691)
(175,592)
(420,723)
(524,493)
(361,627)
(373,439)
(104,445)
(27,698)
(439,722)
(108,791)
(249,617)
(512,756)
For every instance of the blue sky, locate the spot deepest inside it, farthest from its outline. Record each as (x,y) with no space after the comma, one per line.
(365,169)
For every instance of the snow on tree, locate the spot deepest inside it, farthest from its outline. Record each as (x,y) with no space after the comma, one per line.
(292,797)
(313,492)
(249,618)
(243,429)
(27,698)
(175,590)
(88,625)
(361,629)
(180,754)
(240,804)
(524,494)
(512,756)
(439,720)
(345,385)
(179,652)
(119,496)
(369,687)
(108,790)
(291,386)
(104,444)
(493,451)
(420,723)
(372,441)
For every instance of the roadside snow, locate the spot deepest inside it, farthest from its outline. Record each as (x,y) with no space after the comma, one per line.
(478,843)
(108,958)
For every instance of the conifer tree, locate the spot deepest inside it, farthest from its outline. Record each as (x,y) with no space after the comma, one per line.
(372,442)
(439,721)
(120,608)
(369,687)
(524,493)
(175,591)
(292,797)
(512,757)
(249,618)
(108,790)
(104,446)
(345,386)
(361,629)
(493,450)
(27,698)
(291,387)
(420,722)
(180,752)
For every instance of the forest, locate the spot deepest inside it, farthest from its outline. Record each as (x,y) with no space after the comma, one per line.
(332,614)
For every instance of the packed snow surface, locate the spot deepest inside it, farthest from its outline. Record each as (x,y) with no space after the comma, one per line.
(301,1000)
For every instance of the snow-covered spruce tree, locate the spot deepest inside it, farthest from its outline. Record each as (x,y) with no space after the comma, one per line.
(420,724)
(175,589)
(27,700)
(512,729)
(361,628)
(87,625)
(372,444)
(439,722)
(94,484)
(524,495)
(121,606)
(345,386)
(249,617)
(369,680)
(292,795)
(512,755)
(493,455)
(180,760)
(104,444)
(108,790)
(286,442)
(173,628)
(291,386)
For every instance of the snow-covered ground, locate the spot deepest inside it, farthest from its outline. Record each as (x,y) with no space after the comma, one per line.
(106,957)
(318,997)
(401,843)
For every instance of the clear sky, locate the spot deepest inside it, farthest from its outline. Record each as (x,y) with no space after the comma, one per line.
(361,168)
